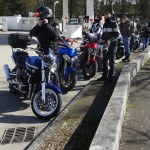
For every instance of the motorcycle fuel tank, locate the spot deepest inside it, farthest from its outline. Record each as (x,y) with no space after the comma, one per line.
(33,62)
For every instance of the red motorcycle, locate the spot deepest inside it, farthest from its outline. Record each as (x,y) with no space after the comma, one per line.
(89,57)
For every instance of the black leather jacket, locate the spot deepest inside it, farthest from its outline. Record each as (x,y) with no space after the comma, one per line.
(111,32)
(46,34)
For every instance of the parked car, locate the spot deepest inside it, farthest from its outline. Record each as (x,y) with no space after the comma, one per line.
(1,26)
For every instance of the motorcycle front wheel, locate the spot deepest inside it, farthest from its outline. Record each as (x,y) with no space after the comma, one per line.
(90,70)
(67,83)
(51,107)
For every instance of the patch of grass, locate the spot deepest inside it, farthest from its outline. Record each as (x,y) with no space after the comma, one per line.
(128,105)
(126,117)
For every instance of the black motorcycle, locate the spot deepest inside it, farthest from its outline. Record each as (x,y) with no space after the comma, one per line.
(135,41)
(120,49)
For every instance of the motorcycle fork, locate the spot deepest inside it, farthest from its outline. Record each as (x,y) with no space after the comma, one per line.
(49,77)
(65,66)
(89,56)
(43,81)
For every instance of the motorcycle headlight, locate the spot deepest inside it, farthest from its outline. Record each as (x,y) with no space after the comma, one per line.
(66,57)
(53,67)
(74,58)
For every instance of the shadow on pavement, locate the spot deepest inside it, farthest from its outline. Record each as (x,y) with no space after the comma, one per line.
(83,135)
(18,106)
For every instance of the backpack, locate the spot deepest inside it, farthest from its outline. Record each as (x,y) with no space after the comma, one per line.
(56,31)
(146,32)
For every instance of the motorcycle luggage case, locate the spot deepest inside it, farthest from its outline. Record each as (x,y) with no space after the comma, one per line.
(19,40)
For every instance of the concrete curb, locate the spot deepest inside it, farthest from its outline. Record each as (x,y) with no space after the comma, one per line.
(108,133)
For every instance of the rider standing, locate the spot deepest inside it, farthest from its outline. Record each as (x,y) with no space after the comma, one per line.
(111,34)
(46,30)
(96,29)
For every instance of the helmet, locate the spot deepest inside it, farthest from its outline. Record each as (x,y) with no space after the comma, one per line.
(44,12)
(98,17)
(118,19)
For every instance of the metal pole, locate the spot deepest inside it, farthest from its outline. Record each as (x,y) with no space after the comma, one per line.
(112,10)
(54,10)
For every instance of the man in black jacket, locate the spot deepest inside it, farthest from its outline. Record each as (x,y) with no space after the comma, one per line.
(111,34)
(145,36)
(126,31)
(46,30)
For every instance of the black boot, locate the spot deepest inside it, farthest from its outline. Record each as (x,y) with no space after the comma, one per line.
(126,58)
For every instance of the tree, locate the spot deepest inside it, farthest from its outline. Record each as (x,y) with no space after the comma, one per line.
(10,8)
(144,10)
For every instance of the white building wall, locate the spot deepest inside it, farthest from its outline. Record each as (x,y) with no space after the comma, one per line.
(20,23)
(65,14)
(14,22)
(90,11)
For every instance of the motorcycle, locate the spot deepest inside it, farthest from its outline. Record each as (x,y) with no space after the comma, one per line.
(88,60)
(135,41)
(120,49)
(67,61)
(32,77)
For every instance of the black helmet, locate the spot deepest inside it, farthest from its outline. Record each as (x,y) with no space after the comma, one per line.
(44,12)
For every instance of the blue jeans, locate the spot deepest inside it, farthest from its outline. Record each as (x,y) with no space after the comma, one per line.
(126,42)
(145,42)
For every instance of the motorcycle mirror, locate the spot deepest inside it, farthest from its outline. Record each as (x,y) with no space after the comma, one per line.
(35,40)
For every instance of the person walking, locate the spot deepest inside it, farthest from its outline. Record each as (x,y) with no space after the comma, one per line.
(111,34)
(145,36)
(96,28)
(126,31)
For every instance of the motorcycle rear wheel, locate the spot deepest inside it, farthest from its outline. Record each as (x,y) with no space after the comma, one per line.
(51,107)
(90,70)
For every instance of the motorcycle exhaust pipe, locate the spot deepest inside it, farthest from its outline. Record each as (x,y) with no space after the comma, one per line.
(6,70)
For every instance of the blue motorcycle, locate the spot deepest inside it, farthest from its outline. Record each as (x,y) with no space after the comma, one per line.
(46,101)
(34,77)
(67,67)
